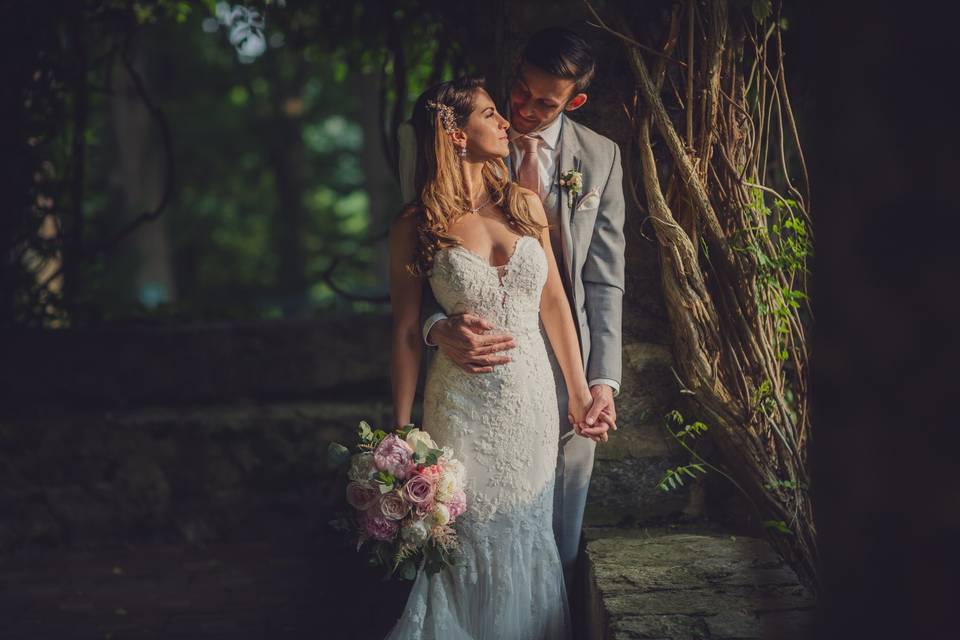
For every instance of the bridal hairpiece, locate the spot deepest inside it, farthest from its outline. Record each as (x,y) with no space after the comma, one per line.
(447,116)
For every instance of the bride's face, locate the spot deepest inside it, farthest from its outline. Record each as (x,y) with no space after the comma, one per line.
(486,130)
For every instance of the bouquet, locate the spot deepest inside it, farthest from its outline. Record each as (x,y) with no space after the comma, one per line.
(404,495)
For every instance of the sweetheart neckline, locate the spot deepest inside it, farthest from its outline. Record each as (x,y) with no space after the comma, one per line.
(516,245)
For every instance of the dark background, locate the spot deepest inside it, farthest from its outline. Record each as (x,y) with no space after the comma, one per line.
(876,84)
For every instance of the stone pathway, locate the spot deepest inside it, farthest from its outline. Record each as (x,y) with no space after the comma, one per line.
(666,583)
(261,590)
(672,584)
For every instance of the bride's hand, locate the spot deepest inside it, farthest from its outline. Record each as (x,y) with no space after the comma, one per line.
(577,407)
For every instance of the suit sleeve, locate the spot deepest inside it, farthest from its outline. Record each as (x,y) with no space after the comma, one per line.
(603,280)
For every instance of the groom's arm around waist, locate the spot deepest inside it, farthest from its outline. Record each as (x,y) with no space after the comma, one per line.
(603,281)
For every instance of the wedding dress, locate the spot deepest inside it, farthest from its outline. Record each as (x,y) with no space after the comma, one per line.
(508,582)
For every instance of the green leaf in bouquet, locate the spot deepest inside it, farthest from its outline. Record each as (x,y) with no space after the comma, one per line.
(405,430)
(385,481)
(365,432)
(426,455)
(337,455)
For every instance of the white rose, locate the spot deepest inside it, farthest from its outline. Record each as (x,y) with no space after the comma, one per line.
(362,467)
(415,532)
(455,468)
(446,486)
(416,435)
(440,515)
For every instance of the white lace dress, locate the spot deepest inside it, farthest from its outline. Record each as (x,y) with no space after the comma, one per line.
(508,584)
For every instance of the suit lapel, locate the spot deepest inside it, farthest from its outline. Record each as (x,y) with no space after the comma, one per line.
(569,159)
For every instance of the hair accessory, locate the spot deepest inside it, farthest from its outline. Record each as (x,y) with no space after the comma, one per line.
(447,116)
(462,152)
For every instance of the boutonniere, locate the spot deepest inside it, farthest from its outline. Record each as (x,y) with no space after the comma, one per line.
(572,181)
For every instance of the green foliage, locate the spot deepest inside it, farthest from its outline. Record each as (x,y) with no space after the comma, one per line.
(780,244)
(426,455)
(673,478)
(369,437)
(777,525)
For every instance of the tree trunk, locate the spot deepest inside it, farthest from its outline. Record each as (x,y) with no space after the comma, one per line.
(732,249)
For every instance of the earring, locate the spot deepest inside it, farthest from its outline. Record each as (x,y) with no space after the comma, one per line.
(462,152)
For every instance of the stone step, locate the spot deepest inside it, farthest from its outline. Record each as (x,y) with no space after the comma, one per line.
(682,583)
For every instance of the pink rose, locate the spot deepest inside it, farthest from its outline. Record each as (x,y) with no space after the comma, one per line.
(378,527)
(393,506)
(362,495)
(457,504)
(394,456)
(419,490)
(423,511)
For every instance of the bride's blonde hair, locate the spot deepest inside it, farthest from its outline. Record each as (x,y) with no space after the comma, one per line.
(442,196)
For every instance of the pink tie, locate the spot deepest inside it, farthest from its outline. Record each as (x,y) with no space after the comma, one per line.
(529,173)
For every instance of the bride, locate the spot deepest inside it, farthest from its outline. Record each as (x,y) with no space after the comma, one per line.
(483,246)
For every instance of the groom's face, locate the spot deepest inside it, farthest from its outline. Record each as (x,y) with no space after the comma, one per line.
(537,98)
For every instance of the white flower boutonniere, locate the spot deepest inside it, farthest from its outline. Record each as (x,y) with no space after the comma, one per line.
(572,181)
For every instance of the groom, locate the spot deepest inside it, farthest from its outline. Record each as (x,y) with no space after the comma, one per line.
(586,232)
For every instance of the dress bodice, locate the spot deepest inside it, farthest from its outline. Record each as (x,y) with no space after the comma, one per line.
(506,295)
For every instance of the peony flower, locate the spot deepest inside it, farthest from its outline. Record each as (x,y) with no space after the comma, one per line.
(393,506)
(415,532)
(416,435)
(362,495)
(378,527)
(394,456)
(362,467)
(457,504)
(446,485)
(440,515)
(419,490)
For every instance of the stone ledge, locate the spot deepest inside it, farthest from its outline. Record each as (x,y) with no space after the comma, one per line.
(673,584)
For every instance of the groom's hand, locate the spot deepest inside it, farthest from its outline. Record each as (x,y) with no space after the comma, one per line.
(462,338)
(603,411)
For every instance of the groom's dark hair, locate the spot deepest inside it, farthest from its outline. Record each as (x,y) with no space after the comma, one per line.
(562,53)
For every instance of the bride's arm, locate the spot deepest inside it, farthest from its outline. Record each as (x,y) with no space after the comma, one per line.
(405,293)
(558,322)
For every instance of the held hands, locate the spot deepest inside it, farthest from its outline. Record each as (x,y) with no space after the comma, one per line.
(593,413)
(462,338)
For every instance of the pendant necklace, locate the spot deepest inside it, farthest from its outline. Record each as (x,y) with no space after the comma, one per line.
(479,206)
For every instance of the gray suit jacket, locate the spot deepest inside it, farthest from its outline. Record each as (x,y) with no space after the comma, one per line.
(591,226)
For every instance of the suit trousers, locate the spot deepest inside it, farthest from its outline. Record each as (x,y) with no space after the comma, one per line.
(574,467)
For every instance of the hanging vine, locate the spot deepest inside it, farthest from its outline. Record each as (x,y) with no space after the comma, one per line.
(723,180)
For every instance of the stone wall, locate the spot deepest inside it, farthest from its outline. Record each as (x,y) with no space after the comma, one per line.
(219,431)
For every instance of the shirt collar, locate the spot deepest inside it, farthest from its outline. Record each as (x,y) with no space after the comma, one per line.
(550,135)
